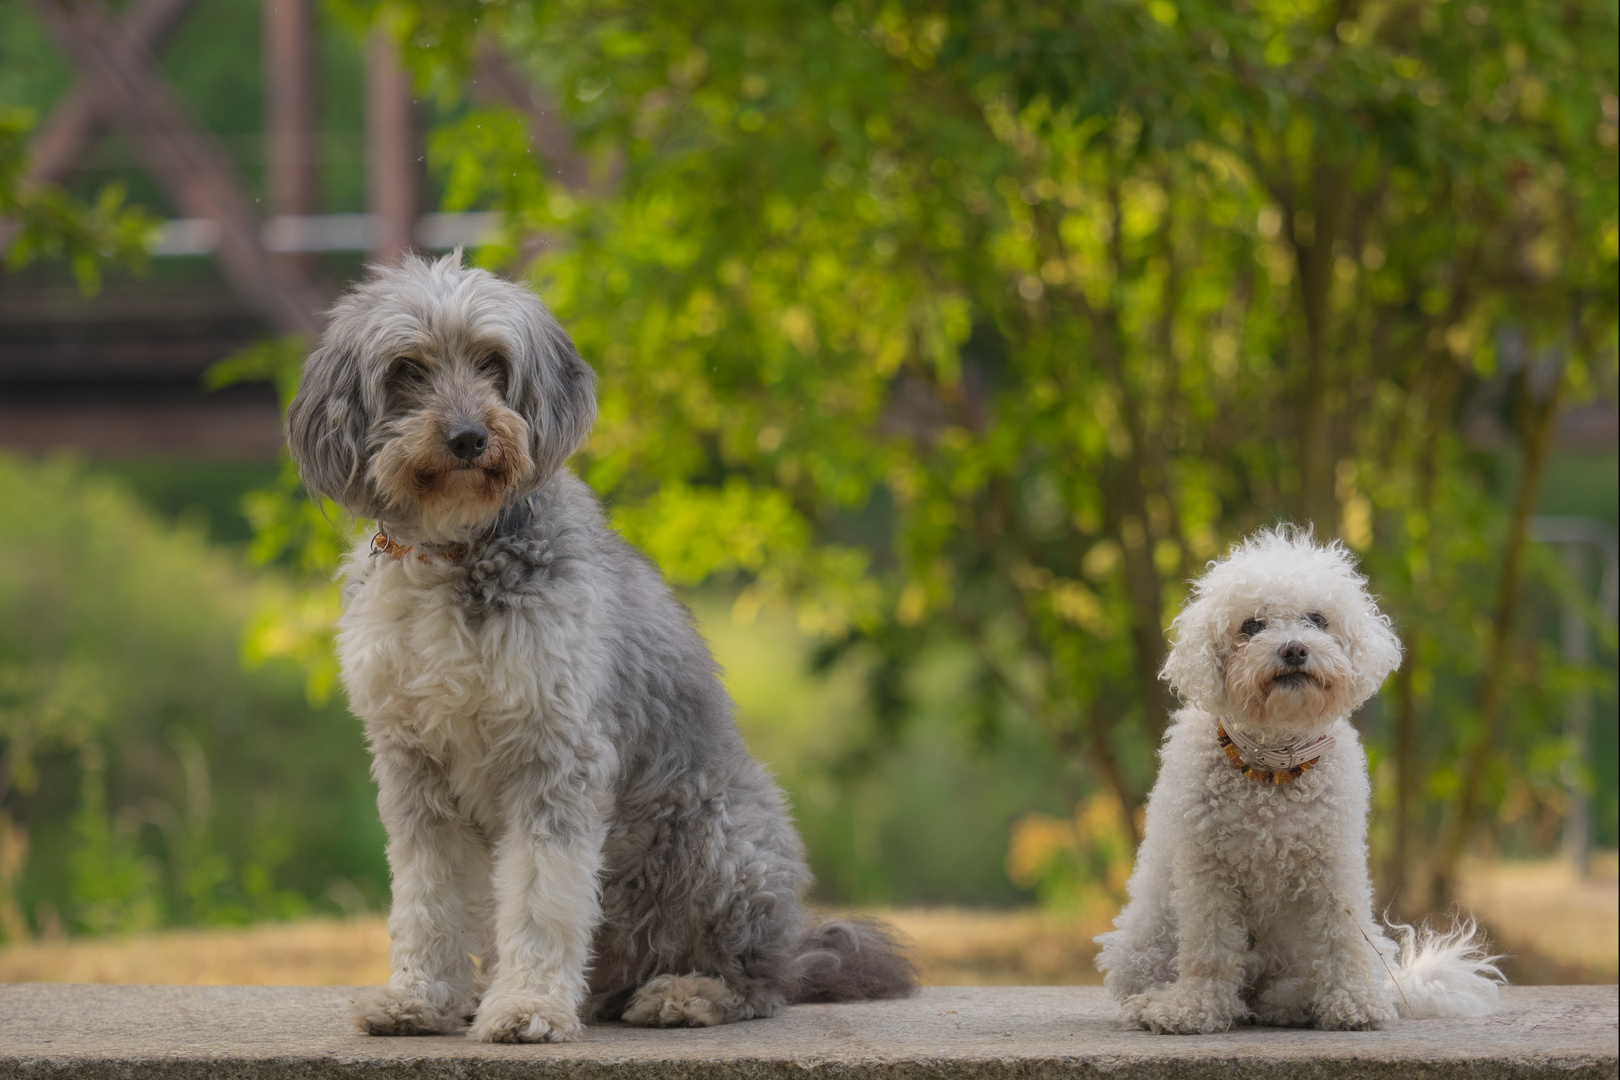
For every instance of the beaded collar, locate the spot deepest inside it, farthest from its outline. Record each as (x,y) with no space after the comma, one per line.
(1283,765)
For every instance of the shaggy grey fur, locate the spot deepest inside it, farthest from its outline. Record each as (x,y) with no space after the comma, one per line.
(540,705)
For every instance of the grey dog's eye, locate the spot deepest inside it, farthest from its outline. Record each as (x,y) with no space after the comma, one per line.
(1251,627)
(408,372)
(493,367)
(1318,620)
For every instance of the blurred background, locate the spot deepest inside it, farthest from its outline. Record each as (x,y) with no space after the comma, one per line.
(940,344)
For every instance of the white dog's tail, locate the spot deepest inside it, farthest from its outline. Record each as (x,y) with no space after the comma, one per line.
(1444,973)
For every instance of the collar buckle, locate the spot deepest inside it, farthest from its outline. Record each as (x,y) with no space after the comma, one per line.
(383,544)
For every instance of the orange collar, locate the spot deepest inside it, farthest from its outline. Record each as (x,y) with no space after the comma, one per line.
(383,544)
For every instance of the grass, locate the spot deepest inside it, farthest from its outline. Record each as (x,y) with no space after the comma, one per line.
(953,947)
(1557,928)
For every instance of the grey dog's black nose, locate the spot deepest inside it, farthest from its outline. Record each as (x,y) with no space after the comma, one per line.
(468,442)
(1293,654)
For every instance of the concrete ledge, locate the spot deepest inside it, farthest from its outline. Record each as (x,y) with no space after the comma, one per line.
(272,1033)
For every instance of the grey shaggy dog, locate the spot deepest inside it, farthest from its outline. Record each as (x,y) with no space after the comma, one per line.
(565,791)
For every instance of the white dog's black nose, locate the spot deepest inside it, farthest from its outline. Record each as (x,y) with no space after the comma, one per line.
(468,442)
(1293,654)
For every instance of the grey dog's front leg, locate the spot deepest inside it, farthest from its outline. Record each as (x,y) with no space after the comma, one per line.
(440,869)
(547,904)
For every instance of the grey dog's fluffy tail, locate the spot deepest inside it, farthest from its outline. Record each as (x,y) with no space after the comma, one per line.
(851,959)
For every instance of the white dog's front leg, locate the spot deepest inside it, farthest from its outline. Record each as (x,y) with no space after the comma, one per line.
(1351,993)
(546,909)
(1213,943)
(440,870)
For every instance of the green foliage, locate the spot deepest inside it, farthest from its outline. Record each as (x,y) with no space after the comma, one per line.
(276,361)
(1018,314)
(293,531)
(973,330)
(917,815)
(1080,864)
(205,493)
(145,778)
(114,888)
(51,224)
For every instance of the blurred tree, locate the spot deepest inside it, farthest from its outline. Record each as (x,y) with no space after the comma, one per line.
(145,778)
(991,322)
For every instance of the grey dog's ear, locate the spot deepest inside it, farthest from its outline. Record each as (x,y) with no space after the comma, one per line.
(326,426)
(556,394)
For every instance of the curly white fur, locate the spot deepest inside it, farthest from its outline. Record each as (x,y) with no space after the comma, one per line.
(1250,899)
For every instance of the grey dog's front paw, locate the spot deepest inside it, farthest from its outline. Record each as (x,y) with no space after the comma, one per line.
(385,1011)
(525,1018)
(684,1001)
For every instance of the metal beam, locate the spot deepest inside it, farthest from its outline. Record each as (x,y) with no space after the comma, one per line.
(291,176)
(182,157)
(391,155)
(67,132)
(295,233)
(65,135)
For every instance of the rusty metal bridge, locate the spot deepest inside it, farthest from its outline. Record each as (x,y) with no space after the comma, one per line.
(119,373)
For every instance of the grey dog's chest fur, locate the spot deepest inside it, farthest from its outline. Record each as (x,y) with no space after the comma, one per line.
(553,657)
(477,690)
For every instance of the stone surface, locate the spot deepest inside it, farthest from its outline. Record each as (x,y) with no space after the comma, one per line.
(93,1032)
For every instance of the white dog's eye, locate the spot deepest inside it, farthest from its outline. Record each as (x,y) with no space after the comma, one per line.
(1251,627)
(1318,620)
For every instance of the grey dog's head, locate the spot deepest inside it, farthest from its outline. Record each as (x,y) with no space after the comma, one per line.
(438,396)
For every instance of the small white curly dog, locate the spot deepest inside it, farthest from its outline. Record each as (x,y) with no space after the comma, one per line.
(1250,898)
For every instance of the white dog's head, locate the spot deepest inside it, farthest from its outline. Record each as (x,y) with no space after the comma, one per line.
(1282,636)
(438,396)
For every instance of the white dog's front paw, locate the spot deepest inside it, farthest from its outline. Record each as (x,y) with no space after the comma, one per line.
(1188,1007)
(525,1018)
(1283,1003)
(1355,1008)
(684,1001)
(425,1010)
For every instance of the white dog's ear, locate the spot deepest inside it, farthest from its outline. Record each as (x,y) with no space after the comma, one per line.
(327,423)
(1369,637)
(556,392)
(1196,666)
